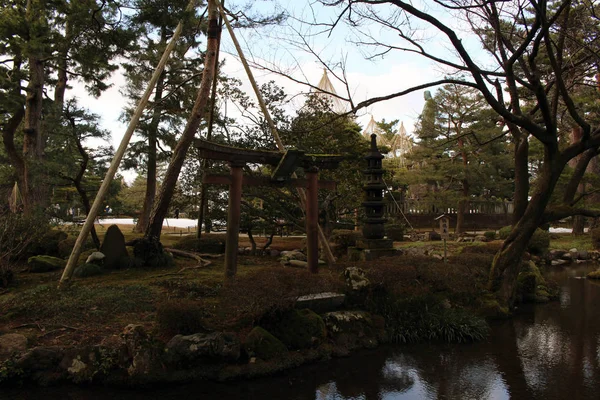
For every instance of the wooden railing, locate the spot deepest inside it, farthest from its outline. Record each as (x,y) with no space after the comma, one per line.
(423,207)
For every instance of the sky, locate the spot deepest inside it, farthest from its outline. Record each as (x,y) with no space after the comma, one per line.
(283,46)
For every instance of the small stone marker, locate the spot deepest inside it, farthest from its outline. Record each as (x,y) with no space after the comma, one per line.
(113,247)
(96,258)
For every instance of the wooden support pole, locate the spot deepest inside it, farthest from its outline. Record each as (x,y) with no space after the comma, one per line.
(233,220)
(261,102)
(312,220)
(114,165)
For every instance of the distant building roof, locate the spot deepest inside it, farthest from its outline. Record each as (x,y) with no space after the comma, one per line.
(327,91)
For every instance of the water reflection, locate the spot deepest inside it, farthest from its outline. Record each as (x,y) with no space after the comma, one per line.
(547,351)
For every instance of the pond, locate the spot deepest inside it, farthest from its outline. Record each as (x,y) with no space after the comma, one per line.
(549,351)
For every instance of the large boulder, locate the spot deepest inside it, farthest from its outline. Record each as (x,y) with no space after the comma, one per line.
(260,343)
(12,343)
(45,263)
(114,250)
(194,350)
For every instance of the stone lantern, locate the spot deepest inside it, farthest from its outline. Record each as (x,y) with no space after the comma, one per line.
(373,244)
(374,204)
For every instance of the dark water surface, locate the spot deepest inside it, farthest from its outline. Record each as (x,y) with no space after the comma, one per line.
(549,351)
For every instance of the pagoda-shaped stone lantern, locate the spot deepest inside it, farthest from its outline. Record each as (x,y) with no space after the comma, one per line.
(373,244)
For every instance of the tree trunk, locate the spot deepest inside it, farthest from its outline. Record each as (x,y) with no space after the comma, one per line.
(252,242)
(463,204)
(579,164)
(198,111)
(520,199)
(507,263)
(62,66)
(33,143)
(144,218)
(79,178)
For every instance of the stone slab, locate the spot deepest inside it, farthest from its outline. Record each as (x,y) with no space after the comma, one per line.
(321,302)
(373,254)
(375,243)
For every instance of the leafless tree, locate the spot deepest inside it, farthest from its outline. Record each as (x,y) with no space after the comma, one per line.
(538,75)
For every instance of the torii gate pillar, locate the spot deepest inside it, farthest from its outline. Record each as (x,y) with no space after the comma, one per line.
(233,219)
(312,219)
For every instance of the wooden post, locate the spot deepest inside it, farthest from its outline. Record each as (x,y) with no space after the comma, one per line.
(233,220)
(312,220)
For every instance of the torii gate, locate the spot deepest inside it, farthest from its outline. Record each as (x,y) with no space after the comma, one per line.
(285,164)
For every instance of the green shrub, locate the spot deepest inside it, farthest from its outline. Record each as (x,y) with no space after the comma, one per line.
(271,290)
(425,319)
(595,233)
(47,244)
(65,246)
(504,232)
(488,248)
(296,328)
(539,242)
(490,235)
(183,317)
(85,270)
(395,232)
(7,276)
(19,233)
(211,245)
(260,343)
(344,238)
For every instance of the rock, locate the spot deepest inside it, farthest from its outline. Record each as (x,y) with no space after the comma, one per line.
(294,255)
(356,278)
(438,256)
(86,270)
(193,350)
(556,254)
(142,356)
(433,235)
(298,264)
(260,343)
(274,253)
(40,359)
(297,329)
(114,250)
(567,257)
(96,258)
(583,255)
(558,262)
(12,343)
(574,253)
(352,329)
(480,238)
(593,254)
(45,263)
(321,302)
